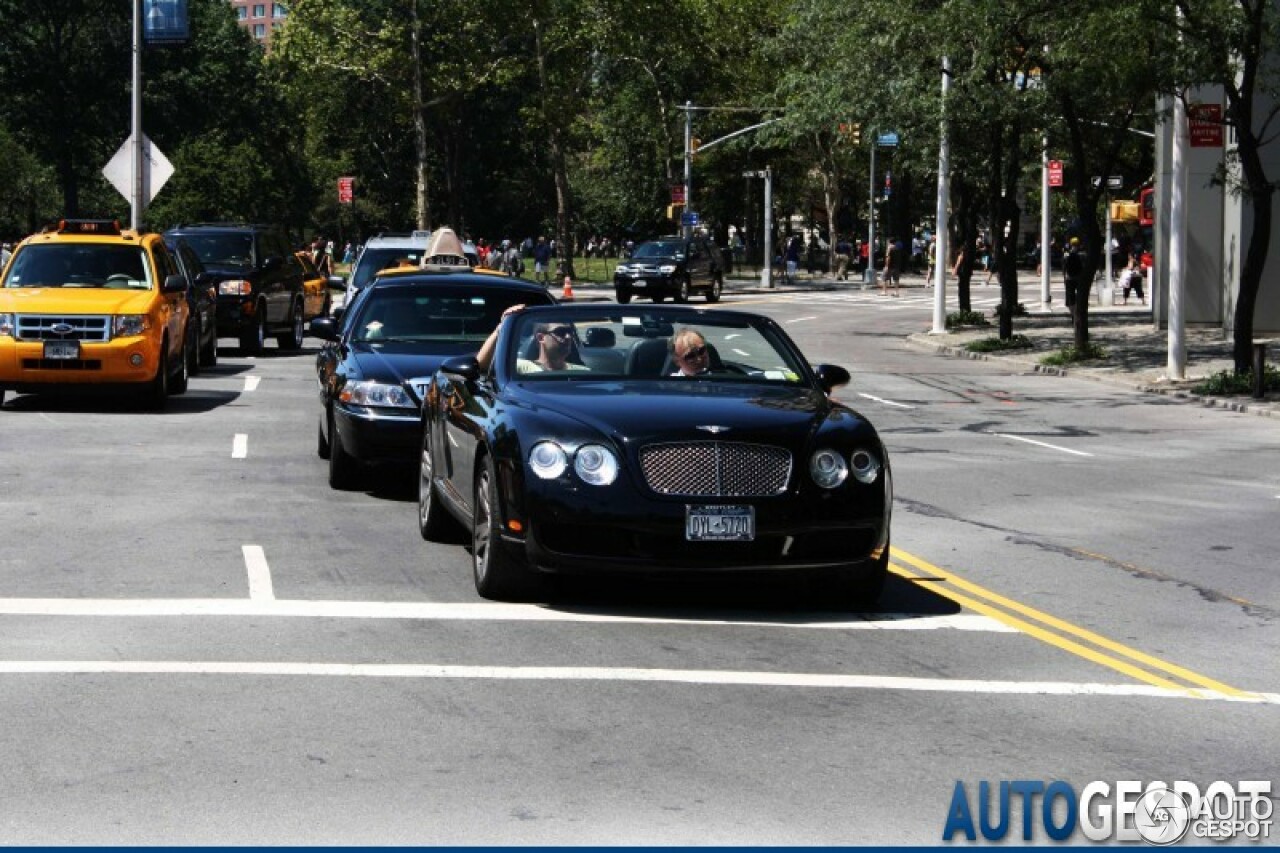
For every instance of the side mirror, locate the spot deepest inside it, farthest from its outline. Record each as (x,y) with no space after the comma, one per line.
(272,263)
(337,282)
(465,366)
(337,315)
(831,376)
(324,328)
(175,283)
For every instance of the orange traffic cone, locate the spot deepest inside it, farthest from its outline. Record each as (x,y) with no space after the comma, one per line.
(567,295)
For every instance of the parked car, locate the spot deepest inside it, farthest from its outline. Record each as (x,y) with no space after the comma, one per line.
(86,303)
(202,299)
(380,355)
(671,266)
(615,463)
(259,281)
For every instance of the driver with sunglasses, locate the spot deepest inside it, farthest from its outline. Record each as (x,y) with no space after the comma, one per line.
(689,353)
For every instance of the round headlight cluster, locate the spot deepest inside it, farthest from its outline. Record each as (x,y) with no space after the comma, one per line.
(829,469)
(594,464)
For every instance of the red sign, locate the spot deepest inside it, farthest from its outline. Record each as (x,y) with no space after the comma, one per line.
(1205,125)
(1055,173)
(346,188)
(677,194)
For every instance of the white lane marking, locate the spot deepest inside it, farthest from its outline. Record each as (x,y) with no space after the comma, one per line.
(885,402)
(800,319)
(1040,443)
(240,446)
(251,383)
(622,674)
(143,607)
(255,560)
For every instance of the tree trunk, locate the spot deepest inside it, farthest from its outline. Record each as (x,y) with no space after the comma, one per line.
(966,225)
(831,194)
(422,207)
(1260,193)
(560,171)
(1005,237)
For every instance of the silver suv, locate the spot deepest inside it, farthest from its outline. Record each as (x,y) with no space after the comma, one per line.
(385,250)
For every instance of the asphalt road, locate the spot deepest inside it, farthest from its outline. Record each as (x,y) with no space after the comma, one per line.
(202,643)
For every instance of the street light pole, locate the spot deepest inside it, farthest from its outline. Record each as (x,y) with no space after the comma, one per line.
(687,230)
(869,274)
(942,226)
(1046,255)
(137,201)
(766,275)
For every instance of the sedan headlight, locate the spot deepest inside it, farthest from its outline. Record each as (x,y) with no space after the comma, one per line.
(126,325)
(596,464)
(376,394)
(866,466)
(828,468)
(6,325)
(667,269)
(235,287)
(548,460)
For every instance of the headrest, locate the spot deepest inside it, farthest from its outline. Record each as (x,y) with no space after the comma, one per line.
(598,336)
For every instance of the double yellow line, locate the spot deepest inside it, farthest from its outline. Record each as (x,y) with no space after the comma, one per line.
(1058,633)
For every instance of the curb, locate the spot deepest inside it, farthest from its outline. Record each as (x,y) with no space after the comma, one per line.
(1181,394)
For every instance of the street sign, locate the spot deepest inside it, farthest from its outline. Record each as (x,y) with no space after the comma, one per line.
(156,169)
(346,189)
(887,140)
(1114,182)
(1055,173)
(677,194)
(689,217)
(164,22)
(1204,124)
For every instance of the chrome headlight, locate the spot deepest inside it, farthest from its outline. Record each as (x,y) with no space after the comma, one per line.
(668,269)
(376,394)
(548,460)
(6,326)
(596,464)
(866,466)
(234,287)
(828,468)
(126,325)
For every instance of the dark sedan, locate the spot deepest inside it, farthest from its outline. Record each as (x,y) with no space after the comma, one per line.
(202,299)
(586,449)
(377,361)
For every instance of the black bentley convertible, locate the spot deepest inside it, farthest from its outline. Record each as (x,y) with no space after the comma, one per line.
(608,458)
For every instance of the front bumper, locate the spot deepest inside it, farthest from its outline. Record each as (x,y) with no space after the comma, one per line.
(24,367)
(640,284)
(375,435)
(235,313)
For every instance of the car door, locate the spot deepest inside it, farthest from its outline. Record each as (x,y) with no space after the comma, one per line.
(467,408)
(698,264)
(175,310)
(273,274)
(204,296)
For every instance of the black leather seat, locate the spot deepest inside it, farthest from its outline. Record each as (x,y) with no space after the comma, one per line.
(598,351)
(647,358)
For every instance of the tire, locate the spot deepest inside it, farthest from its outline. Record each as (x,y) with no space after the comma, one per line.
(158,388)
(292,339)
(498,575)
(856,587)
(717,285)
(344,470)
(209,351)
(682,290)
(434,522)
(253,337)
(322,443)
(183,376)
(623,297)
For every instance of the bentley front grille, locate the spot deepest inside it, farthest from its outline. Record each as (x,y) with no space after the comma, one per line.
(716,469)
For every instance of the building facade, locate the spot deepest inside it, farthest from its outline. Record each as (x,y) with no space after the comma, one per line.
(260,17)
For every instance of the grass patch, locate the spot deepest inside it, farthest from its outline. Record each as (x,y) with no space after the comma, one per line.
(966,318)
(1071,355)
(1228,382)
(1019,310)
(998,345)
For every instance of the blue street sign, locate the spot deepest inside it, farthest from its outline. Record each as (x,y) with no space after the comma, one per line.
(887,140)
(165,22)
(689,217)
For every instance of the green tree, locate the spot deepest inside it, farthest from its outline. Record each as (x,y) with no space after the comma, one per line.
(30,196)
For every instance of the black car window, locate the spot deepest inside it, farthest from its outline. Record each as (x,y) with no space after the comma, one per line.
(660,249)
(438,313)
(226,249)
(379,258)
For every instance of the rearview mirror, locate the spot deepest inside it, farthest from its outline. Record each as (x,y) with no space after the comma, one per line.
(324,328)
(175,283)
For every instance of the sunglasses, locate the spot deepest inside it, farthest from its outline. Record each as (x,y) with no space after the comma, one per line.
(562,333)
(694,352)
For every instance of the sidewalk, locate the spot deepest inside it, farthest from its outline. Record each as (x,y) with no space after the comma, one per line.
(1137,351)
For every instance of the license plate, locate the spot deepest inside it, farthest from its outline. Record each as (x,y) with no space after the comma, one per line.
(720,523)
(639,283)
(62,350)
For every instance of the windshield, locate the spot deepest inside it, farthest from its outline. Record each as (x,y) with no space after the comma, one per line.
(80,265)
(660,249)
(435,313)
(649,345)
(372,260)
(223,250)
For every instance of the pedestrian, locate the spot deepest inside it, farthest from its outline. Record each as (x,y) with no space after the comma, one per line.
(321,257)
(541,262)
(892,273)
(1131,279)
(348,253)
(843,251)
(791,255)
(1073,273)
(932,257)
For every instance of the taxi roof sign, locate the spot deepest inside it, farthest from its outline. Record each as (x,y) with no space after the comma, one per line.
(110,227)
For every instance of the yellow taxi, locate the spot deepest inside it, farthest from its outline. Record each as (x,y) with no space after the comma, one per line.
(88,304)
(315,288)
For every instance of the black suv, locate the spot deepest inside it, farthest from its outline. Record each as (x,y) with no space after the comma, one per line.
(259,281)
(671,266)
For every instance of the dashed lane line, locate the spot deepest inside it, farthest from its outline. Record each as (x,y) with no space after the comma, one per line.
(240,446)
(255,561)
(251,383)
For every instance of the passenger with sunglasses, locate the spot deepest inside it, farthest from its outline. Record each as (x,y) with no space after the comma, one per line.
(555,344)
(689,352)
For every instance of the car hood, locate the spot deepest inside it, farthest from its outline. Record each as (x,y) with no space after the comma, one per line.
(397,362)
(682,411)
(226,271)
(655,259)
(74,300)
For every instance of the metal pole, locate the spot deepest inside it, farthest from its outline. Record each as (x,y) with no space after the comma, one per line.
(687,230)
(869,274)
(1177,366)
(1106,296)
(766,274)
(941,252)
(138,201)
(1046,238)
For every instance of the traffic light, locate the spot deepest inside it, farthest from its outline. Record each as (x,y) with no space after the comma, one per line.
(674,211)
(852,132)
(693,145)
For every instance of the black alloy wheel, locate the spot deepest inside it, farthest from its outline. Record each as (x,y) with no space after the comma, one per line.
(498,575)
(682,289)
(292,339)
(158,388)
(717,285)
(209,351)
(623,296)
